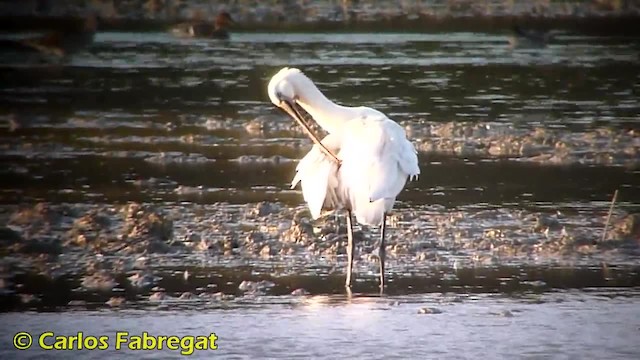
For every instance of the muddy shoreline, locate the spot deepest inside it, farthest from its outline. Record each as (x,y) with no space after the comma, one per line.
(65,255)
(60,255)
(594,145)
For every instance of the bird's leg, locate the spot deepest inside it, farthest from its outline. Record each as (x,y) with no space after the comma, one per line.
(350,248)
(382,251)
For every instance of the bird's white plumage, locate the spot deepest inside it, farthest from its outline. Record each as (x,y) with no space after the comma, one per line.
(318,176)
(376,157)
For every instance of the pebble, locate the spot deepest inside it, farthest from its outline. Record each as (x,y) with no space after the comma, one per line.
(186,296)
(506,313)
(428,310)
(299,292)
(158,296)
(253,286)
(77,303)
(99,282)
(116,301)
(29,299)
(141,280)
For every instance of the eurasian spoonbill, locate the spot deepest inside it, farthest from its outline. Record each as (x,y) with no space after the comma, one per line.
(360,166)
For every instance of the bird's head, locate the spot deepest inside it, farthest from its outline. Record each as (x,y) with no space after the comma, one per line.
(282,87)
(283,91)
(286,90)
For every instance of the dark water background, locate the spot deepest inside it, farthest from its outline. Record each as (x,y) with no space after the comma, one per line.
(88,132)
(93,122)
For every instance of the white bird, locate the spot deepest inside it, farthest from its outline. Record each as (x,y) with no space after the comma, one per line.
(360,166)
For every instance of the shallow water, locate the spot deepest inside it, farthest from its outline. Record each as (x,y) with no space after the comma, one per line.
(99,123)
(186,125)
(559,325)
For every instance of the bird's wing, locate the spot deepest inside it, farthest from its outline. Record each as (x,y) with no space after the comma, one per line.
(377,158)
(316,174)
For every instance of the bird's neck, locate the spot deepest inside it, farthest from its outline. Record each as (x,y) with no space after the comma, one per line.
(329,115)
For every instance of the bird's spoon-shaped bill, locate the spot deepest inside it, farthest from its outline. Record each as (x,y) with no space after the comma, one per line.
(290,109)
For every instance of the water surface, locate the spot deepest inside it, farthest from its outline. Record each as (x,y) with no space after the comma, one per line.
(186,126)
